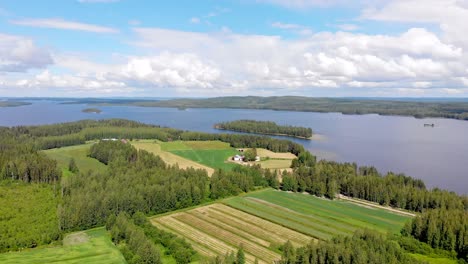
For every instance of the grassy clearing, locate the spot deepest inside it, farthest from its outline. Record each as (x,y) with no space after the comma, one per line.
(432,260)
(213,154)
(155,148)
(275,164)
(79,153)
(217,229)
(92,246)
(214,158)
(275,155)
(314,216)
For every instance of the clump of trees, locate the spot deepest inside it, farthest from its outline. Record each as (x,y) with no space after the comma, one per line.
(135,181)
(231,257)
(441,229)
(364,246)
(250,154)
(131,240)
(175,246)
(265,127)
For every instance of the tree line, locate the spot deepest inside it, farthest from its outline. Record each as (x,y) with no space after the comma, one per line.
(328,178)
(364,246)
(265,127)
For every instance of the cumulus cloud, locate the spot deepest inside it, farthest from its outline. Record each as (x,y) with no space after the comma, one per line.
(58,23)
(450,15)
(415,61)
(412,58)
(18,54)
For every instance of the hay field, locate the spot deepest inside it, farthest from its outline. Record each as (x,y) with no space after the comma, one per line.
(218,229)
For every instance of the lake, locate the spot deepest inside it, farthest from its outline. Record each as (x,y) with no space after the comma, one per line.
(399,144)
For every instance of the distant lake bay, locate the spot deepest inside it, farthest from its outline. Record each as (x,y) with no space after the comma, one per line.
(438,155)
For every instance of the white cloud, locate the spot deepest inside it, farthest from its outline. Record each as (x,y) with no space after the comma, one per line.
(347,27)
(450,15)
(171,70)
(320,60)
(195,20)
(58,23)
(19,54)
(414,62)
(296,28)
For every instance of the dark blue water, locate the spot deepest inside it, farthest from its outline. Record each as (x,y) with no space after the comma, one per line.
(437,155)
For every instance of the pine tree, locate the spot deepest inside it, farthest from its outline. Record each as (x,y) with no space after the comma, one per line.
(240,255)
(72,166)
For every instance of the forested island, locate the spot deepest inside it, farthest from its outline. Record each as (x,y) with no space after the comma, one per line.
(12,103)
(419,108)
(131,184)
(92,110)
(266,128)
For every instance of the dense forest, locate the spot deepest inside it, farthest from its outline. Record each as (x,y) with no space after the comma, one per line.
(138,183)
(265,127)
(416,108)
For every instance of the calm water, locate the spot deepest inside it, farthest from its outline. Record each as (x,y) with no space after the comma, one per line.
(437,155)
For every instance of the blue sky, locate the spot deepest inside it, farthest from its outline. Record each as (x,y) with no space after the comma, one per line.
(214,48)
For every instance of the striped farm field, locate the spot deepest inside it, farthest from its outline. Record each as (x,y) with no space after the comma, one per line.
(218,229)
(316,217)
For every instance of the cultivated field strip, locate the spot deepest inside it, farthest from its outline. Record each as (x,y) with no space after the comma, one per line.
(260,232)
(318,222)
(218,229)
(281,231)
(200,240)
(339,212)
(232,229)
(282,218)
(249,246)
(317,217)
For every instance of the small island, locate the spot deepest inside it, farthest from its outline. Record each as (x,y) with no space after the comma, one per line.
(12,103)
(265,128)
(92,110)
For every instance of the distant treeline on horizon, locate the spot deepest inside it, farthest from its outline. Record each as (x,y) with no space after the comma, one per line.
(416,107)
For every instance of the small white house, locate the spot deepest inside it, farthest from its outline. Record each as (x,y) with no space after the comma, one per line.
(257,158)
(237,158)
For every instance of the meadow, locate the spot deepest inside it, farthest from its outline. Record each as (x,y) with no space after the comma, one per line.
(316,217)
(79,153)
(91,246)
(213,154)
(218,229)
(155,147)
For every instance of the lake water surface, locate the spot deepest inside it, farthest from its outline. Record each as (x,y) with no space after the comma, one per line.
(437,155)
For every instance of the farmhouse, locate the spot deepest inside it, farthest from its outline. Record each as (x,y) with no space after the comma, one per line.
(238,158)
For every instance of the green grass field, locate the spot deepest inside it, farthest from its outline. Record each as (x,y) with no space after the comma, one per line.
(213,154)
(79,153)
(319,218)
(91,246)
(168,157)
